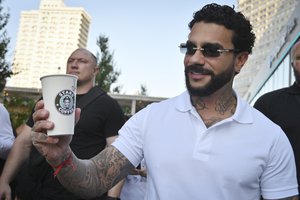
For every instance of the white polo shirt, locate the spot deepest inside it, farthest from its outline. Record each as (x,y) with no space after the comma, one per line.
(241,157)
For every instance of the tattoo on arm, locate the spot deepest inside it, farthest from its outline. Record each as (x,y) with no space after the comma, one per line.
(91,178)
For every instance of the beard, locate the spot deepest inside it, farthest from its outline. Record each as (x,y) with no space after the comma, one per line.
(297,75)
(216,82)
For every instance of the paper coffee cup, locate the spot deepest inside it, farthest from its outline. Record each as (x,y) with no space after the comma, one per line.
(59,95)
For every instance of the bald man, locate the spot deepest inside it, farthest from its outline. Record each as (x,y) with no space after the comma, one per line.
(97,128)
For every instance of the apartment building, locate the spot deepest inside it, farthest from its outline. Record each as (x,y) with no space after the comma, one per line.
(46,37)
(279,72)
(270,21)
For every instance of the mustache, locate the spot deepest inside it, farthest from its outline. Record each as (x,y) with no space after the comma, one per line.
(196,68)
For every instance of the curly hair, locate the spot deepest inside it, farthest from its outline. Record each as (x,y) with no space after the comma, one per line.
(243,37)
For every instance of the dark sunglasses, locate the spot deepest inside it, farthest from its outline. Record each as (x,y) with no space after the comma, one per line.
(208,50)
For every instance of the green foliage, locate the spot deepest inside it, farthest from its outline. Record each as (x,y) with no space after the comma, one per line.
(126,110)
(107,75)
(5,70)
(19,108)
(143,90)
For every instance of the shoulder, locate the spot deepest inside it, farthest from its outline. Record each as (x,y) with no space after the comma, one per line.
(255,117)
(108,101)
(272,94)
(3,110)
(159,110)
(263,121)
(270,98)
(103,99)
(106,105)
(162,105)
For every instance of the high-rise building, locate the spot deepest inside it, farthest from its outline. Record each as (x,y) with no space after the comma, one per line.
(46,37)
(269,19)
(280,72)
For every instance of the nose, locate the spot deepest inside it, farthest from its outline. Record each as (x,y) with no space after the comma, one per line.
(73,64)
(197,57)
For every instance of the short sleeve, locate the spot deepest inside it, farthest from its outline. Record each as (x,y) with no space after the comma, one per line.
(279,177)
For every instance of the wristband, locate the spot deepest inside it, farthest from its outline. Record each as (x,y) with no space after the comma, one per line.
(65,163)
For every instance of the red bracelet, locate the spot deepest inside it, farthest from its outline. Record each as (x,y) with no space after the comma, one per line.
(65,163)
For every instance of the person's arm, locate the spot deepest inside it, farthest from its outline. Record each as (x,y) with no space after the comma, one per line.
(86,178)
(21,129)
(115,191)
(92,178)
(17,156)
(6,133)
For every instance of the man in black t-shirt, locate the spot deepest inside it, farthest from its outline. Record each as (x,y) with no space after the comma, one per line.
(283,107)
(101,118)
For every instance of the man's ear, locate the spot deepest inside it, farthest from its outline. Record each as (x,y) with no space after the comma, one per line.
(96,70)
(240,60)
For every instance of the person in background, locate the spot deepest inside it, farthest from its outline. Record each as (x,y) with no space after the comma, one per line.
(206,143)
(134,187)
(101,118)
(282,106)
(6,133)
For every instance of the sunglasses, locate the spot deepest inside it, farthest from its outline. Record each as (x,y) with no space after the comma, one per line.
(208,50)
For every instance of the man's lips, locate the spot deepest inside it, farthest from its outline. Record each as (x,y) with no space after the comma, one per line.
(197,71)
(74,73)
(196,75)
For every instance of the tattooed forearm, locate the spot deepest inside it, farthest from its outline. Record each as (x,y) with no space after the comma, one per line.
(91,178)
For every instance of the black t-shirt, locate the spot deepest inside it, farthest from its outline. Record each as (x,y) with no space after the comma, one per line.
(101,118)
(283,108)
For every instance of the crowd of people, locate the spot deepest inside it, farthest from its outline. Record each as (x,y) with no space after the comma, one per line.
(206,143)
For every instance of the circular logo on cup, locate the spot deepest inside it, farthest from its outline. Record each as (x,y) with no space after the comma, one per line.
(64,102)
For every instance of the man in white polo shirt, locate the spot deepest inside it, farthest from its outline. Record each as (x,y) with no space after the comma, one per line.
(206,143)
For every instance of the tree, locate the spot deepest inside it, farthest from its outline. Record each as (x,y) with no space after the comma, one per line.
(143,90)
(107,75)
(19,109)
(5,70)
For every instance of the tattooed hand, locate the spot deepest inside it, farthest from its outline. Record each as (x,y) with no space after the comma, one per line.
(54,149)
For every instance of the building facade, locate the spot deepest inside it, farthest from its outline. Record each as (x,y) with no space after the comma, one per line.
(270,19)
(46,37)
(279,72)
(130,103)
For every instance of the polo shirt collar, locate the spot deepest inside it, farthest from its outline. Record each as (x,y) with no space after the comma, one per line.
(243,113)
(183,102)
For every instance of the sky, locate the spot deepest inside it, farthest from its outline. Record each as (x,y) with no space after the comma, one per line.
(143,37)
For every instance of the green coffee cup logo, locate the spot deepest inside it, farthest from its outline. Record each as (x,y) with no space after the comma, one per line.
(64,102)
